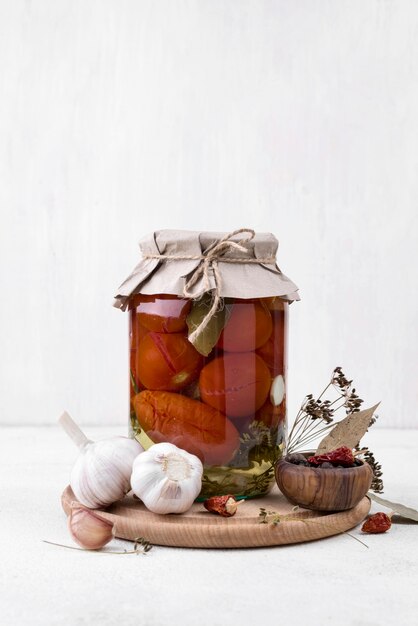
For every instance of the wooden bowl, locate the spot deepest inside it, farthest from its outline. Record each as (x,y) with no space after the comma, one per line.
(323,489)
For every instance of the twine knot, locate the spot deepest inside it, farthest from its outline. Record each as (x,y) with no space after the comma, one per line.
(209,260)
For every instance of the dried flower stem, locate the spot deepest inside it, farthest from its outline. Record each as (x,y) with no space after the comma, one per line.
(368,457)
(141,546)
(316,416)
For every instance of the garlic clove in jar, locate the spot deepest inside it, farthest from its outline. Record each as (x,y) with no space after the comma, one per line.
(277,390)
(102,471)
(88,529)
(166,478)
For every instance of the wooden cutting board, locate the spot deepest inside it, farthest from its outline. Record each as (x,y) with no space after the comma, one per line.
(200,529)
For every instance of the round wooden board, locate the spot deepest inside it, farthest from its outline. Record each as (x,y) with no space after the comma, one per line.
(200,529)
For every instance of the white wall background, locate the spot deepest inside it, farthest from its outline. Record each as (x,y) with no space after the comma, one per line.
(118,117)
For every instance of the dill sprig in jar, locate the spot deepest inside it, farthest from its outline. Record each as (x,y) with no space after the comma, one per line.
(208,343)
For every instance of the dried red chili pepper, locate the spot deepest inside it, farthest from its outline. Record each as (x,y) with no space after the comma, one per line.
(341,456)
(222,505)
(377,523)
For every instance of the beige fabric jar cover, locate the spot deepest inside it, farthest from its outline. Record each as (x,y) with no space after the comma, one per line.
(241,264)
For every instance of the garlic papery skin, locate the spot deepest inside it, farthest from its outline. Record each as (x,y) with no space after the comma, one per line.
(166,478)
(88,529)
(101,474)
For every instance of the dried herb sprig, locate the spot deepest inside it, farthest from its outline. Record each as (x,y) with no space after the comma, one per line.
(316,416)
(368,457)
(271,517)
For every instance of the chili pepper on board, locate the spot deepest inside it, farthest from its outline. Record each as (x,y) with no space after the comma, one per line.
(226,506)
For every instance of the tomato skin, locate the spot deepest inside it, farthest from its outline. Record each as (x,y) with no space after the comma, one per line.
(135,384)
(248,327)
(235,384)
(137,331)
(273,351)
(162,313)
(167,361)
(271,415)
(136,334)
(190,424)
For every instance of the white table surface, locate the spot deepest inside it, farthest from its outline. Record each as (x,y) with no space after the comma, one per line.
(334,581)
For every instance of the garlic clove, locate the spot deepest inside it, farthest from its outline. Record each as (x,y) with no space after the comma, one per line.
(166,478)
(277,390)
(88,529)
(102,471)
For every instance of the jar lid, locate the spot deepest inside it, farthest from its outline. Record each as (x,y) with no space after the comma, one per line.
(241,264)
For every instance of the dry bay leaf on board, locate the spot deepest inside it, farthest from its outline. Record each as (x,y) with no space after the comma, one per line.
(348,432)
(206,341)
(400,509)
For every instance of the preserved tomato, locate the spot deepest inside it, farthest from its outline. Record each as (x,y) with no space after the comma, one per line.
(199,428)
(236,384)
(162,313)
(270,414)
(273,351)
(136,334)
(248,327)
(167,361)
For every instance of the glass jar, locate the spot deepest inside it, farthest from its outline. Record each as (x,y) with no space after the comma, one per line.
(228,405)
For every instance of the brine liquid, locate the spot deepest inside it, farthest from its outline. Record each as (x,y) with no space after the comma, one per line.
(226,406)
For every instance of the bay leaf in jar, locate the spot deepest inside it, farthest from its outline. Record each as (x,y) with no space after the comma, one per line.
(208,338)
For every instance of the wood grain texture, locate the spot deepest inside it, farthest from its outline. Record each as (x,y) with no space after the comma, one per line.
(199,529)
(323,489)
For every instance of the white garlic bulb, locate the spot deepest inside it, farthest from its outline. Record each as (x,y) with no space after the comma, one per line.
(166,478)
(101,474)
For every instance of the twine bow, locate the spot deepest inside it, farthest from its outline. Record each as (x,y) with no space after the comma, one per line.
(209,261)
